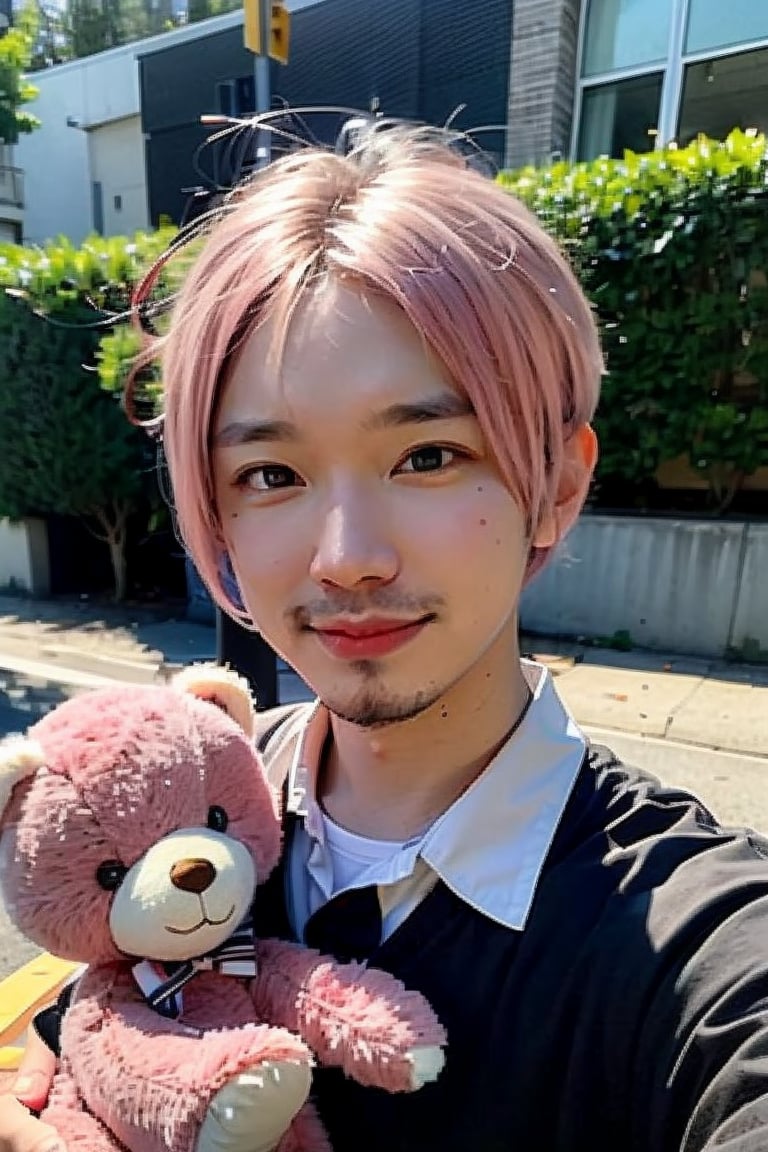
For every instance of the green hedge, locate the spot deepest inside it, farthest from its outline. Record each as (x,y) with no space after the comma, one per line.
(66,447)
(672,249)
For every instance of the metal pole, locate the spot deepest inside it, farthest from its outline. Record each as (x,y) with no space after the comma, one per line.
(249,655)
(242,650)
(262,83)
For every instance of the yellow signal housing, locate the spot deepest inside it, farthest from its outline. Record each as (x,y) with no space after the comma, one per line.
(279,32)
(252,25)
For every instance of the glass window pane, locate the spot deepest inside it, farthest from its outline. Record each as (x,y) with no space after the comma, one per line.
(723,94)
(625,33)
(617,117)
(721,23)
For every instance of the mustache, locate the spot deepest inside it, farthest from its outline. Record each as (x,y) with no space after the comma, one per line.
(369,604)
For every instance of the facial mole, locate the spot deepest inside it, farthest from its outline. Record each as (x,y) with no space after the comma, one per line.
(483,523)
(480,489)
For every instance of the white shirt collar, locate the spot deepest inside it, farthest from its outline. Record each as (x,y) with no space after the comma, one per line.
(490,846)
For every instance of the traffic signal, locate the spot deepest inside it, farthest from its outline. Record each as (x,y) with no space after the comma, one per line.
(279,32)
(279,29)
(252,25)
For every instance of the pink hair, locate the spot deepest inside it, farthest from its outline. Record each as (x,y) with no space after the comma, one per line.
(472,269)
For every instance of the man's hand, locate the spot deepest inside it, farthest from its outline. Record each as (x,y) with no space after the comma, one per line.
(19,1131)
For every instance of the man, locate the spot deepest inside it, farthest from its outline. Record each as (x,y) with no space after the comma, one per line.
(379,381)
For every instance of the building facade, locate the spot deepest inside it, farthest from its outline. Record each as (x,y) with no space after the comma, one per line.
(596,77)
(537,80)
(421,59)
(11,178)
(661,70)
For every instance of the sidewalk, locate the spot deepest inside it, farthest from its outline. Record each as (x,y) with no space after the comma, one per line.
(723,706)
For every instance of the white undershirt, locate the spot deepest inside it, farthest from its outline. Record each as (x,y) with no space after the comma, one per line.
(352,855)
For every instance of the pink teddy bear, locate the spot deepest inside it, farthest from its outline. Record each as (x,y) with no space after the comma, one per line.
(135,826)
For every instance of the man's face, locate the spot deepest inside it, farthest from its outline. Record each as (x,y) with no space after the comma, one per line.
(373,540)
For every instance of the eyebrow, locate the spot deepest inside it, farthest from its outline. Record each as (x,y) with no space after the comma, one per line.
(445,406)
(253,432)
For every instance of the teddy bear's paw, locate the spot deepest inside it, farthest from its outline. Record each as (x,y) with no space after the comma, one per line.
(254,1109)
(426,1065)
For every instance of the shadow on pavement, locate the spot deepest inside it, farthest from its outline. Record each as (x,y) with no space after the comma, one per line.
(562,655)
(24,699)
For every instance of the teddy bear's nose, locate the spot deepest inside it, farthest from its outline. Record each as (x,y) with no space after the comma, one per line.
(193,875)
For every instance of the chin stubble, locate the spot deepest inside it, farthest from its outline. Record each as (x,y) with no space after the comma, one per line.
(371,709)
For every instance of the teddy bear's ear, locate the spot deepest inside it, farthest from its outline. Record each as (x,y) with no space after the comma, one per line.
(222,687)
(19,758)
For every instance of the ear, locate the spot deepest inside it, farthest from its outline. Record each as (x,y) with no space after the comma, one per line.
(222,687)
(20,758)
(578,467)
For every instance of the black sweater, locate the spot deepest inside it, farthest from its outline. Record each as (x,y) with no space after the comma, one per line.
(631,1014)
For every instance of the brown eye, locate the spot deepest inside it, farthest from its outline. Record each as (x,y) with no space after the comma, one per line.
(217,819)
(110,875)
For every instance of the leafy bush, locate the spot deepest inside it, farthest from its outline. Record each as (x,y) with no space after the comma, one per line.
(672,249)
(66,446)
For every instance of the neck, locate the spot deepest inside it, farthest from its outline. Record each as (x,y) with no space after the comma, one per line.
(391,783)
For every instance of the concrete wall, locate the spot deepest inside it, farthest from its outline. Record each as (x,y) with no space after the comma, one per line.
(24,557)
(687,586)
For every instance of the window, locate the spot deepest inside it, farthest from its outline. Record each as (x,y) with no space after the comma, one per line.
(625,33)
(654,71)
(723,23)
(726,93)
(620,116)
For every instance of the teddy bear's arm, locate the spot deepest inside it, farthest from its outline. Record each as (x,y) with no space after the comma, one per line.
(356,1018)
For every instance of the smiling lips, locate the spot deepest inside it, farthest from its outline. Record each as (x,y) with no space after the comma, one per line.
(369,638)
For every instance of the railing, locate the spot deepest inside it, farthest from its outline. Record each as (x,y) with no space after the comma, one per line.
(11,186)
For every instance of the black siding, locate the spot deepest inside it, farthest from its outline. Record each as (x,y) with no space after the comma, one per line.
(420,59)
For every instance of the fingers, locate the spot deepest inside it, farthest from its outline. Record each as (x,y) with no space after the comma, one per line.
(35,1075)
(20,1132)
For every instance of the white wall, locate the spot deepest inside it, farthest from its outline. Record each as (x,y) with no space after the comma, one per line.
(75,99)
(117,163)
(57,186)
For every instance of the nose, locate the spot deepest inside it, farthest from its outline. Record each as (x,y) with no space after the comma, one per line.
(193,875)
(354,547)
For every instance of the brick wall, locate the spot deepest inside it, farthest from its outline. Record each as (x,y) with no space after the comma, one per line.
(543,79)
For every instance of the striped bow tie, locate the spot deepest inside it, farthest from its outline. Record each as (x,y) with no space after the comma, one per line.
(161,984)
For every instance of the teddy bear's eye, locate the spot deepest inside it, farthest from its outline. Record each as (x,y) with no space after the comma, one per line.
(110,875)
(217,818)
